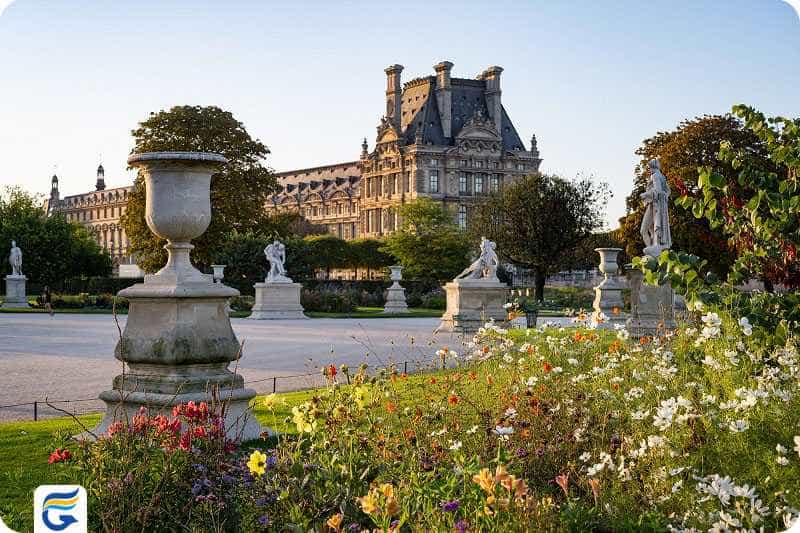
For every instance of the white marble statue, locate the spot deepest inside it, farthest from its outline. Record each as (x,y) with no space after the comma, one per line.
(276,255)
(655,224)
(485,266)
(15,258)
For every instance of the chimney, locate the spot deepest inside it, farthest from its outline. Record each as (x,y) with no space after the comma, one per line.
(491,76)
(444,96)
(101,179)
(394,93)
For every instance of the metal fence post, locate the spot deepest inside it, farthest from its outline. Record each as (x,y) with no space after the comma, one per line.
(35,411)
(274,384)
(405,367)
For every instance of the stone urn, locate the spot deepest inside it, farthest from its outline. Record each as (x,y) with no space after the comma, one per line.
(178,341)
(395,294)
(219,272)
(608,303)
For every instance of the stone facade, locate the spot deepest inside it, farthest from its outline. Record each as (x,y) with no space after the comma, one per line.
(445,138)
(99,211)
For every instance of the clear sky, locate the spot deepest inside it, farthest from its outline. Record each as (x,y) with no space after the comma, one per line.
(590,79)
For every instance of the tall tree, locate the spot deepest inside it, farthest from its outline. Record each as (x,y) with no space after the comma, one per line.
(368,254)
(693,144)
(537,220)
(239,191)
(52,248)
(428,243)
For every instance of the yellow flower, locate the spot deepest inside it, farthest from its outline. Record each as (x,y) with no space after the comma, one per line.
(387,490)
(360,396)
(271,400)
(484,480)
(300,417)
(257,463)
(369,503)
(335,521)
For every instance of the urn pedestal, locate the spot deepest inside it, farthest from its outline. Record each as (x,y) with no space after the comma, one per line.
(16,297)
(395,294)
(608,303)
(178,341)
(473,302)
(652,307)
(277,300)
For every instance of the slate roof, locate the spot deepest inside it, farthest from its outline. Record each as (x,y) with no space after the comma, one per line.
(419,108)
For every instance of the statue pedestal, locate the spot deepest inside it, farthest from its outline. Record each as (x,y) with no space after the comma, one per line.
(15,292)
(473,302)
(177,345)
(277,300)
(395,300)
(652,307)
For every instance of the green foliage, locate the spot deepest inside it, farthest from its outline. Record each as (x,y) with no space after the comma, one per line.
(52,248)
(428,243)
(239,191)
(369,254)
(538,219)
(693,144)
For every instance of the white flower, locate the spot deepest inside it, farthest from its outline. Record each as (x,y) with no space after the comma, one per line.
(781,449)
(455,445)
(698,305)
(508,305)
(531,381)
(503,430)
(738,426)
(585,456)
(797,444)
(472,430)
(781,460)
(573,361)
(640,415)
(744,323)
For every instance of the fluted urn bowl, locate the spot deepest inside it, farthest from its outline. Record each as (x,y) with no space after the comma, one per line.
(608,260)
(178,202)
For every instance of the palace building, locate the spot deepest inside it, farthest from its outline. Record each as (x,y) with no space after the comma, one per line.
(442,137)
(445,138)
(99,211)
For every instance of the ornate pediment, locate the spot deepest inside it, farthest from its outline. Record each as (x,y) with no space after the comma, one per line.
(387,131)
(478,134)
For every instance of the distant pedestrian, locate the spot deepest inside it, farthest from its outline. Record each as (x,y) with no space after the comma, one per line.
(48,300)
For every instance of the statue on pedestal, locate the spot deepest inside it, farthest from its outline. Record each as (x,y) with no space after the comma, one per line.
(276,255)
(485,266)
(655,223)
(15,258)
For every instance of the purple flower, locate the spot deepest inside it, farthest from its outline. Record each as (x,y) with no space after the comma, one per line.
(461,526)
(394,524)
(263,520)
(262,501)
(272,461)
(197,488)
(354,527)
(450,506)
(522,452)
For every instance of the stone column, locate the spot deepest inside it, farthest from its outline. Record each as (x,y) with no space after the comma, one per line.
(178,340)
(608,303)
(395,295)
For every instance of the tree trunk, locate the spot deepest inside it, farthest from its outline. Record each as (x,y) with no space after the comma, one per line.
(538,290)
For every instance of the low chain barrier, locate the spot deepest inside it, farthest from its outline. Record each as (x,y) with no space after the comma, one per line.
(40,407)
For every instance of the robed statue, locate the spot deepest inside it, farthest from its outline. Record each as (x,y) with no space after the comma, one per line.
(485,266)
(276,255)
(15,258)
(655,224)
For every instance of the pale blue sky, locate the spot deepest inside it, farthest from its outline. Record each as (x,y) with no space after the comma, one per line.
(591,79)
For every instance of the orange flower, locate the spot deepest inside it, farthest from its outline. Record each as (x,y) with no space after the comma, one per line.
(563,482)
(644,340)
(485,480)
(489,380)
(547,367)
(485,349)
(433,381)
(578,336)
(595,485)
(473,376)
(452,399)
(615,310)
(391,407)
(335,522)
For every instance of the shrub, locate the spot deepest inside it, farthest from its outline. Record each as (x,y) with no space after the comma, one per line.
(327,301)
(242,303)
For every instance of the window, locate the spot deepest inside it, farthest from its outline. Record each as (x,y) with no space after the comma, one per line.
(434,162)
(478,164)
(433,181)
(496,164)
(339,209)
(463,183)
(520,166)
(495,184)
(463,162)
(462,217)
(479,183)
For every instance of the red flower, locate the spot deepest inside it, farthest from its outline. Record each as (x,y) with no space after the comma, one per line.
(59,455)
(331,371)
(452,399)
(547,367)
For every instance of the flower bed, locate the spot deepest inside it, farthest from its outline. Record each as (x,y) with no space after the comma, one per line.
(533,430)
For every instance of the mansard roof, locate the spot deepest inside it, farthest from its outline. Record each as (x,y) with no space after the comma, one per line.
(419,109)
(324,181)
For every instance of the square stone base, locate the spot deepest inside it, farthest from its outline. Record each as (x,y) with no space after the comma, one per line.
(608,301)
(277,301)
(240,422)
(472,303)
(395,300)
(652,307)
(15,293)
